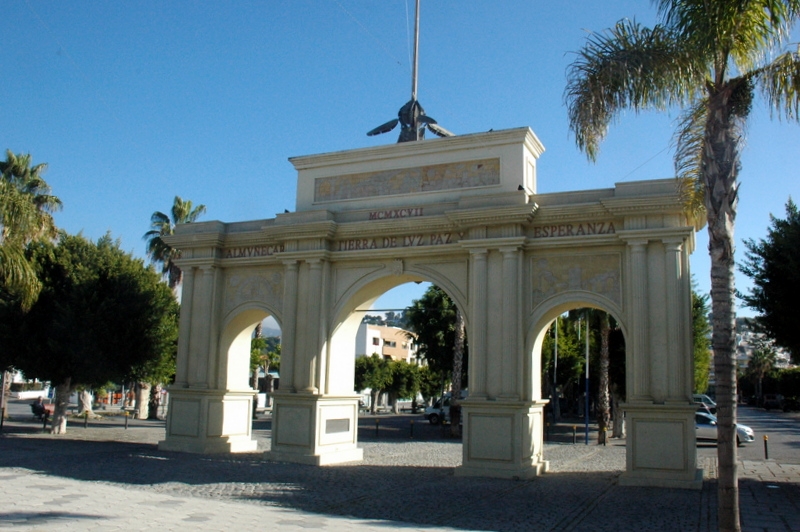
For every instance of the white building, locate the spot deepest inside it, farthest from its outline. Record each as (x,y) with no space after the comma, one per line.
(389,342)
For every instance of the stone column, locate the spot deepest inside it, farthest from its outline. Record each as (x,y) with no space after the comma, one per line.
(510,348)
(477,339)
(289,328)
(184,330)
(306,361)
(676,324)
(308,376)
(658,348)
(639,374)
(200,338)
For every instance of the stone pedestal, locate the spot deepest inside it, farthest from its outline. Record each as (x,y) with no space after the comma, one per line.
(661,446)
(209,421)
(503,439)
(314,429)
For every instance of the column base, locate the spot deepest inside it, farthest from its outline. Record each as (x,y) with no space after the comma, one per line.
(661,446)
(503,439)
(209,421)
(314,429)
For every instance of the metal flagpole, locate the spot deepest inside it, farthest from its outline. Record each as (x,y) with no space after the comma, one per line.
(416,49)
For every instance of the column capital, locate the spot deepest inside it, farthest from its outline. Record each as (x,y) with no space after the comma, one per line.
(638,244)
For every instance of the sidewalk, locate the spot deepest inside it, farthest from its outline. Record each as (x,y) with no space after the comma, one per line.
(106,477)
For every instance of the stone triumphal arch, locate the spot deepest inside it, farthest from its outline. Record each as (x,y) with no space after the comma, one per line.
(463,213)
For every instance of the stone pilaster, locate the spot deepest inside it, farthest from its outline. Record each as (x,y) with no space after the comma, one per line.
(676,326)
(639,374)
(510,355)
(478,350)
(185,330)
(289,326)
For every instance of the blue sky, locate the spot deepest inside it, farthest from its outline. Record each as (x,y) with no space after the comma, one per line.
(133,102)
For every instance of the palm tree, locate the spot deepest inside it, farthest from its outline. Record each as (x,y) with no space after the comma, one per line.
(26,208)
(162,225)
(709,58)
(761,363)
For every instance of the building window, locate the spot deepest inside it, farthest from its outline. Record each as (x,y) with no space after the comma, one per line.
(376,341)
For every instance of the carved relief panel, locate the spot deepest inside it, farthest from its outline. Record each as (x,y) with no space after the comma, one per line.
(263,285)
(554,274)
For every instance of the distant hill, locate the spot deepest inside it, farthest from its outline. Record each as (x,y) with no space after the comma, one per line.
(270,332)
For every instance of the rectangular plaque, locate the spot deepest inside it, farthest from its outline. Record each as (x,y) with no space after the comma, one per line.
(433,178)
(333,426)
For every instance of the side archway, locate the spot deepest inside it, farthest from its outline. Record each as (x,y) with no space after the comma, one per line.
(544,314)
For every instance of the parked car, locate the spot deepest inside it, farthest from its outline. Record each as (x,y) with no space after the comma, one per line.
(706,429)
(703,399)
(773,400)
(440,411)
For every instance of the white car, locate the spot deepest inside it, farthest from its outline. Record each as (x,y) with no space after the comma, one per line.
(706,429)
(706,403)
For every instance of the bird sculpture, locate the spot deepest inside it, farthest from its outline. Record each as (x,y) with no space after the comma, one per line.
(413,122)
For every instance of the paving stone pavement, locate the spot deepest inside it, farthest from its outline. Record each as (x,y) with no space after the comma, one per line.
(106,477)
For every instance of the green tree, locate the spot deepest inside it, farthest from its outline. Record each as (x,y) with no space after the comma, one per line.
(375,373)
(105,313)
(430,383)
(564,365)
(709,58)
(161,225)
(701,342)
(405,382)
(762,361)
(773,264)
(26,208)
(432,320)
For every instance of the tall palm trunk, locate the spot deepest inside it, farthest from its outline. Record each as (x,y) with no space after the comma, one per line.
(720,170)
(617,414)
(140,410)
(603,406)
(59,423)
(458,363)
(154,401)
(85,403)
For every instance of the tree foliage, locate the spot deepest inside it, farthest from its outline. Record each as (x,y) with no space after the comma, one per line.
(101,316)
(26,208)
(773,264)
(163,225)
(761,363)
(373,372)
(701,329)
(432,320)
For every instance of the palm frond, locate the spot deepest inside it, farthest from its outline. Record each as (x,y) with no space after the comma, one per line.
(745,31)
(628,66)
(689,141)
(779,83)
(17,276)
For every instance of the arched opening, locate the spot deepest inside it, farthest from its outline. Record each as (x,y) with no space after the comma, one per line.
(580,355)
(374,356)
(248,352)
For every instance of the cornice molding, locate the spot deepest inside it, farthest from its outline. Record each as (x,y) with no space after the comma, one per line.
(409,150)
(514,214)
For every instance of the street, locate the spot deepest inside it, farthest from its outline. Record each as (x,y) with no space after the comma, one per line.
(782,429)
